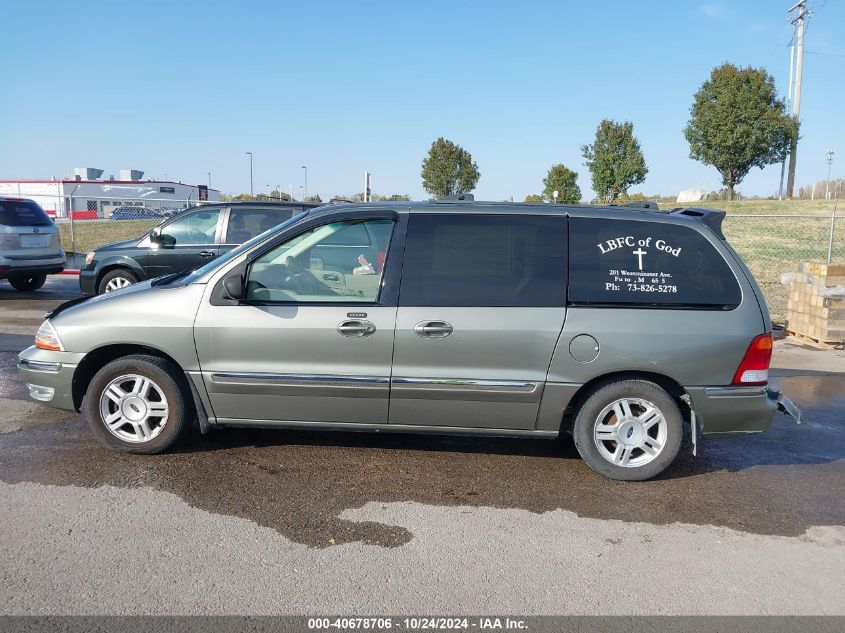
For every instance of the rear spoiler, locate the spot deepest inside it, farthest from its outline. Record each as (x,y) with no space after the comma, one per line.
(712,218)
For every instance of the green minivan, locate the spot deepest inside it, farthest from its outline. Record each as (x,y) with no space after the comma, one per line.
(626,327)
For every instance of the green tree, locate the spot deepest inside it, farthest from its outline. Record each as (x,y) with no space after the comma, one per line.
(737,122)
(563,180)
(615,159)
(534,198)
(448,170)
(279,195)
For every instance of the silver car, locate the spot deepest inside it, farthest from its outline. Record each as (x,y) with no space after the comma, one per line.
(624,327)
(30,248)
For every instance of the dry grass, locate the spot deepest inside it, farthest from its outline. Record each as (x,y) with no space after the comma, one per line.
(769,245)
(89,234)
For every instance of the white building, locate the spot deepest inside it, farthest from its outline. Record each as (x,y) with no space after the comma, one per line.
(90,197)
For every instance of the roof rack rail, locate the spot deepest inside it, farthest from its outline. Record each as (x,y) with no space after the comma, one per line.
(461,197)
(639,204)
(712,218)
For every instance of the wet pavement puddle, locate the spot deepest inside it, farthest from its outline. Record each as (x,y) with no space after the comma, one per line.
(780,482)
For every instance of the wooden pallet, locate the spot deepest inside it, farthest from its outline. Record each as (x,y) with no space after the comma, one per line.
(810,312)
(815,342)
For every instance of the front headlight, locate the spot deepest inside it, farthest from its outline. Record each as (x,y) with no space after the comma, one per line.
(47,338)
(89,257)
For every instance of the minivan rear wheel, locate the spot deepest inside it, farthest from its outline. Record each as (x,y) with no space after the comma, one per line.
(116,279)
(26,283)
(137,404)
(629,430)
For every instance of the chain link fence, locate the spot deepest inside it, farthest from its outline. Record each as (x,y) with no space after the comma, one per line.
(771,243)
(86,222)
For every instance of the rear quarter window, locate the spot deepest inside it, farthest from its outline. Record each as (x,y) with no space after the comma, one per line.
(22,213)
(640,263)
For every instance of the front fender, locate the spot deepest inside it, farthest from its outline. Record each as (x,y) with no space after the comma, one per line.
(119,261)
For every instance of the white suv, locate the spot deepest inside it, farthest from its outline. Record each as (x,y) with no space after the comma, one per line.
(30,248)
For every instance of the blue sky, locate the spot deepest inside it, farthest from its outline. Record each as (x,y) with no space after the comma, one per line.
(184,88)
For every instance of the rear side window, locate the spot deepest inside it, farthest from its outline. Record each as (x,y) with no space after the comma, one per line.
(647,263)
(246,223)
(22,213)
(484,261)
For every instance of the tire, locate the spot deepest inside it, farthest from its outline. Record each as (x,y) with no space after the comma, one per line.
(116,279)
(140,387)
(636,445)
(27,283)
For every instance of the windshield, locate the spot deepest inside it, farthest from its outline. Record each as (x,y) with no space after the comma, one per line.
(199,272)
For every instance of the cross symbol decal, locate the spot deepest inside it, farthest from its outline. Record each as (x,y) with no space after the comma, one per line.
(639,253)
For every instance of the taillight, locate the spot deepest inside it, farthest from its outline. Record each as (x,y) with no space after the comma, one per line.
(754,368)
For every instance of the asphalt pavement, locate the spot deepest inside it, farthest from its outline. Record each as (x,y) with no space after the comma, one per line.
(276,522)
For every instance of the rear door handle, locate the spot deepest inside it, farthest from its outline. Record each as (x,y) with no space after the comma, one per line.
(206,253)
(433,329)
(356,329)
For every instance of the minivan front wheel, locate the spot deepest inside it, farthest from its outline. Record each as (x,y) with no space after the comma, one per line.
(136,404)
(629,430)
(116,279)
(26,283)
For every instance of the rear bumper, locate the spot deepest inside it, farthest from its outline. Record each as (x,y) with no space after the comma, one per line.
(49,376)
(725,411)
(41,266)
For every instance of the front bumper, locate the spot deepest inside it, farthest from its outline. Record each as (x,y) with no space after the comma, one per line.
(49,376)
(726,411)
(88,281)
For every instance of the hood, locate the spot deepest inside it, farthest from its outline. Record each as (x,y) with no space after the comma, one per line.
(118,245)
(69,306)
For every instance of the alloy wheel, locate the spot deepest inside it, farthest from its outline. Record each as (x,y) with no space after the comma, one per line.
(630,432)
(117,283)
(133,408)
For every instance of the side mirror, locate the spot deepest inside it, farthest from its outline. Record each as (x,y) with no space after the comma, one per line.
(162,239)
(233,287)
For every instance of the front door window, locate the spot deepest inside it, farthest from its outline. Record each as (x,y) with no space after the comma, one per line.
(341,262)
(199,227)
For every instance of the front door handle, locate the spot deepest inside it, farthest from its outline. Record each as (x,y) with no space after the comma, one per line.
(206,253)
(433,329)
(356,329)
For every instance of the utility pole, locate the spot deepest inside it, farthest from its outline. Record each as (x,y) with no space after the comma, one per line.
(251,190)
(788,105)
(830,154)
(305,186)
(799,21)
(367,181)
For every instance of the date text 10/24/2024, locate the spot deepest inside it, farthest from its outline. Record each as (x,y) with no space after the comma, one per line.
(417,623)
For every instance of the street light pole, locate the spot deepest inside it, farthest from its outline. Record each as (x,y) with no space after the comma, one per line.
(305,186)
(251,190)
